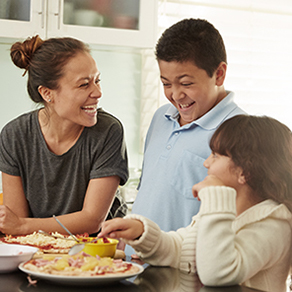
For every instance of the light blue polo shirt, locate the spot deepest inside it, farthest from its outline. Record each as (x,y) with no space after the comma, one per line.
(173,163)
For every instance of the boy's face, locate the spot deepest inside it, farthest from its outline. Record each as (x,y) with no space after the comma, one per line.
(190,89)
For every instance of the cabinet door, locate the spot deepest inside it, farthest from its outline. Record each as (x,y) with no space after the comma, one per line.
(22,18)
(107,22)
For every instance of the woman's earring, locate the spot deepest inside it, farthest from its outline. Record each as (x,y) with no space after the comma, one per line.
(49,100)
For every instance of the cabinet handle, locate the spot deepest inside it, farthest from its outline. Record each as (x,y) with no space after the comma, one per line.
(42,13)
(59,14)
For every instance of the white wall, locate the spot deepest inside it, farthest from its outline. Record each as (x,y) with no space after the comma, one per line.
(13,96)
(120,81)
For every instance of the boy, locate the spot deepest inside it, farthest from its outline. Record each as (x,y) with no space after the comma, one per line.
(192,61)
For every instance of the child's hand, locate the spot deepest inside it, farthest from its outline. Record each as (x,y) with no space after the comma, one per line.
(129,229)
(210,180)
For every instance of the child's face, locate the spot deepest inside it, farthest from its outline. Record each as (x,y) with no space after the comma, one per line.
(190,89)
(224,169)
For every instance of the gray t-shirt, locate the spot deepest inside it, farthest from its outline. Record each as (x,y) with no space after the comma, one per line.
(56,184)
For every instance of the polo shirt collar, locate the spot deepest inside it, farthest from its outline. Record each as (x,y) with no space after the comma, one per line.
(212,119)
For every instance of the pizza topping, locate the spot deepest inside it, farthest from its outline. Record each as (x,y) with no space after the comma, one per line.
(105,240)
(31,281)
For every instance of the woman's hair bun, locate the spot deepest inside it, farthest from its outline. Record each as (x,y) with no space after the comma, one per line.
(21,53)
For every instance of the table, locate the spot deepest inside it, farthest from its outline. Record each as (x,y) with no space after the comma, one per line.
(153,279)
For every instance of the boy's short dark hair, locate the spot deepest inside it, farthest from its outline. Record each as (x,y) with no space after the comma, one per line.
(194,40)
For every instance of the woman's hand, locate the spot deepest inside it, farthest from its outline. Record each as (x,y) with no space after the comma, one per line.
(129,229)
(210,180)
(10,223)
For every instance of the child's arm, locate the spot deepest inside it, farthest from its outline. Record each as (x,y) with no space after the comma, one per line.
(150,243)
(230,251)
(129,229)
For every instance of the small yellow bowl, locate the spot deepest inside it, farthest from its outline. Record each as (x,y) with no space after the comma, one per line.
(100,248)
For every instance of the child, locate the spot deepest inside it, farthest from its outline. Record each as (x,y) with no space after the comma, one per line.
(243,231)
(192,62)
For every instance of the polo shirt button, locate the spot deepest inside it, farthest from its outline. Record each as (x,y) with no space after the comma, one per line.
(168,147)
(176,133)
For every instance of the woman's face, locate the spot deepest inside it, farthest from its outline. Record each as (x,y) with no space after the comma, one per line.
(190,89)
(79,91)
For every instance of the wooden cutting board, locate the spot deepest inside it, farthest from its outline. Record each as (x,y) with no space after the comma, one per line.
(118,255)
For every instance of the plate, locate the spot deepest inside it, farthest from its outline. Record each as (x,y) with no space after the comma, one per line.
(75,280)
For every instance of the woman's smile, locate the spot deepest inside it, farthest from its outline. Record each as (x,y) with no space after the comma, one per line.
(90,109)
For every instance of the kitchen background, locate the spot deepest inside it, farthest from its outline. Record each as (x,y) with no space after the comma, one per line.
(122,35)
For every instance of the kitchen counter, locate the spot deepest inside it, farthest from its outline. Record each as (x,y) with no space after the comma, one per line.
(153,279)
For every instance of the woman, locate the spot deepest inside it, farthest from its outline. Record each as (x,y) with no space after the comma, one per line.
(66,158)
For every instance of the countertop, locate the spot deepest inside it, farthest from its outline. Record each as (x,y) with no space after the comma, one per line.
(153,279)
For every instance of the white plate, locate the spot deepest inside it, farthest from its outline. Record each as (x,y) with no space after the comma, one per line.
(75,280)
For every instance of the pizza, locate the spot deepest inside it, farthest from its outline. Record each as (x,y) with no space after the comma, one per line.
(81,264)
(59,243)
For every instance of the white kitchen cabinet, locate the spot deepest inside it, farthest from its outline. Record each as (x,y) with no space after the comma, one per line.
(22,18)
(130,23)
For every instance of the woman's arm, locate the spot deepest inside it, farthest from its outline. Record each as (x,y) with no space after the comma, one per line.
(13,195)
(14,213)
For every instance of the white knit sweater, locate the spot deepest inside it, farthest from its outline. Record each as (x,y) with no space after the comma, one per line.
(253,249)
